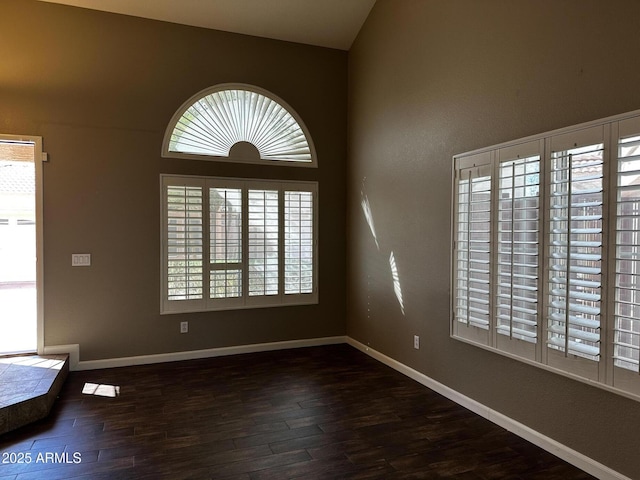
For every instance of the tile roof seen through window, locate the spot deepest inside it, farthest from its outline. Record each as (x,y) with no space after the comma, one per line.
(17,168)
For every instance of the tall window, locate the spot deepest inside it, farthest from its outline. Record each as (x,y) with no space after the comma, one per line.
(546,250)
(238,243)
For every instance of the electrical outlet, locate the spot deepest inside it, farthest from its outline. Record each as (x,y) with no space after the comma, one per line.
(184,327)
(80,259)
(416,342)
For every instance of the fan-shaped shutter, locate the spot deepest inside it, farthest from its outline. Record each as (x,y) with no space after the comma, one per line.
(239,123)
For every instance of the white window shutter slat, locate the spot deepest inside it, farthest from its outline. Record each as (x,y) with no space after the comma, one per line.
(263,253)
(225,242)
(298,242)
(518,246)
(627,285)
(575,251)
(473,230)
(184,242)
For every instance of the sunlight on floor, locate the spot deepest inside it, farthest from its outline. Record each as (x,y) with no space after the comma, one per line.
(33,361)
(101,390)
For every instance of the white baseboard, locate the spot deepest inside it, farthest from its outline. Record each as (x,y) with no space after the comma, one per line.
(73,351)
(76,364)
(567,454)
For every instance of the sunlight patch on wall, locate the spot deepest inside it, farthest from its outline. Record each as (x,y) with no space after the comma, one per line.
(366,209)
(396,281)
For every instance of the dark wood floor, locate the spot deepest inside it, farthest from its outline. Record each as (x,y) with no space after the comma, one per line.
(313,413)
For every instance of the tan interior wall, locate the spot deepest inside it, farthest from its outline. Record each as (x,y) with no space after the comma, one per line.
(100,89)
(429,79)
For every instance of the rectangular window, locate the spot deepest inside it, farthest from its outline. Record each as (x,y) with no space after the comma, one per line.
(546,251)
(259,238)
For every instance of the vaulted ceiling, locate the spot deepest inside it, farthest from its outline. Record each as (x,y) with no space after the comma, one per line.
(326,23)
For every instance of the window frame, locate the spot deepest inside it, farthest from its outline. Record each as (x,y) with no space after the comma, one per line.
(206,303)
(241,156)
(602,372)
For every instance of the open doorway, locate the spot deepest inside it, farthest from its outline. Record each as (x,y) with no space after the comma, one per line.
(20,272)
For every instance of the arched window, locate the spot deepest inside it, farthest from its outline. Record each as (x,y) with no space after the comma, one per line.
(240,123)
(232,243)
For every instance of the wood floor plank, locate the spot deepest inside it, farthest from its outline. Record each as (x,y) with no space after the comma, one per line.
(312,413)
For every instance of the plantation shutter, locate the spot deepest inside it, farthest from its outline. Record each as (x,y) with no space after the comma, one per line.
(216,121)
(298,242)
(472,248)
(576,244)
(518,245)
(232,243)
(263,251)
(545,263)
(225,242)
(627,257)
(183,245)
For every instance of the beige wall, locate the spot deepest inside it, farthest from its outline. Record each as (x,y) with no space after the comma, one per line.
(100,89)
(429,79)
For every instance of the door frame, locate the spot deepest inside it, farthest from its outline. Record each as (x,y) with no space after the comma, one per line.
(39,159)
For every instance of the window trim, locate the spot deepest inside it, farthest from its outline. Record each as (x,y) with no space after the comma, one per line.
(245,301)
(614,129)
(237,158)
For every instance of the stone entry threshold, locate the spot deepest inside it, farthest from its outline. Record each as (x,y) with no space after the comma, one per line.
(29,386)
